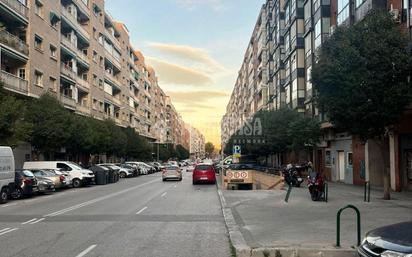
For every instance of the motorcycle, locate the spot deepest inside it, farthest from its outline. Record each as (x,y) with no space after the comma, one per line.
(292,177)
(316,186)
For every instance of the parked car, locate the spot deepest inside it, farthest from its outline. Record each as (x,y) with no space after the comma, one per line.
(388,241)
(155,165)
(144,168)
(7,173)
(204,173)
(45,185)
(123,172)
(173,163)
(80,176)
(172,172)
(25,184)
(59,181)
(134,169)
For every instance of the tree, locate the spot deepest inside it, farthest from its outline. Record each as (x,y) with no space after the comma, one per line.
(361,78)
(209,149)
(51,123)
(13,126)
(182,153)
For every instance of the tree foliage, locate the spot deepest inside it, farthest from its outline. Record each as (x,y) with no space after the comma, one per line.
(273,132)
(182,152)
(209,148)
(362,75)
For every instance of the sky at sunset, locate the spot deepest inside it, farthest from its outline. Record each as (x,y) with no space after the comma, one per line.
(196,48)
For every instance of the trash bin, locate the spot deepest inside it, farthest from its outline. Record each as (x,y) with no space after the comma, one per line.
(112,175)
(100,175)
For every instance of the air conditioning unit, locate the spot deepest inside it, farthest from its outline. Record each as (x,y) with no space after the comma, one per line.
(396,15)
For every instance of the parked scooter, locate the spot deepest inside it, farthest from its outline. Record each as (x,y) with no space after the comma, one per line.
(291,176)
(316,186)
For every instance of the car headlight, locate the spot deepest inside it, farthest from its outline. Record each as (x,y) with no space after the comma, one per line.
(394,254)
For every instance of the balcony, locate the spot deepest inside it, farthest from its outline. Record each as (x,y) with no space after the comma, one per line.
(116,101)
(68,102)
(14,83)
(75,24)
(112,79)
(68,72)
(17,7)
(83,83)
(109,56)
(83,109)
(83,7)
(71,46)
(112,38)
(14,42)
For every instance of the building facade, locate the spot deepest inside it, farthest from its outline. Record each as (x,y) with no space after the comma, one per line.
(75,51)
(276,73)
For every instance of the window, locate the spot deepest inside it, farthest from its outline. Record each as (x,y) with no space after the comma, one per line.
(101,62)
(54,19)
(101,84)
(350,158)
(38,8)
(53,84)
(38,78)
(94,56)
(22,73)
(343,11)
(53,51)
(318,33)
(94,33)
(38,43)
(94,80)
(328,158)
(63,167)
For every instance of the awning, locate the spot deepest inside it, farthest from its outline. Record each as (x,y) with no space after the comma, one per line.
(54,16)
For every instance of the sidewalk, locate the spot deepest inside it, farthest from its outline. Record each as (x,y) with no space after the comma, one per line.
(262,220)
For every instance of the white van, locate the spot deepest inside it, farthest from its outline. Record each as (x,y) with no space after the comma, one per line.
(79,175)
(7,173)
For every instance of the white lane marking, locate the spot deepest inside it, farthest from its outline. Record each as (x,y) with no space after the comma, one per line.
(141,210)
(37,221)
(86,251)
(7,205)
(24,223)
(165,193)
(8,231)
(175,186)
(4,229)
(77,206)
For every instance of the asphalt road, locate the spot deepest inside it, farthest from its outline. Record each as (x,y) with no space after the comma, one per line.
(136,217)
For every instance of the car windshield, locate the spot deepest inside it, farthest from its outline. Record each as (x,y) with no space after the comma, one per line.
(203,167)
(28,173)
(76,166)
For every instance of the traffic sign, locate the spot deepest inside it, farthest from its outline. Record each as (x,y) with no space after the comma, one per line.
(237,151)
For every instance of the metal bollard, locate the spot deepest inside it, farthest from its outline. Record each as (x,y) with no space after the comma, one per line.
(288,193)
(358,219)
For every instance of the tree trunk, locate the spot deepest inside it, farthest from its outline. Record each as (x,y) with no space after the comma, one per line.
(384,149)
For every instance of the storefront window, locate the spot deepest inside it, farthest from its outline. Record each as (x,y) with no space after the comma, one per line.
(328,158)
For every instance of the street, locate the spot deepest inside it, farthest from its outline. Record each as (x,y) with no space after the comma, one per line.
(140,216)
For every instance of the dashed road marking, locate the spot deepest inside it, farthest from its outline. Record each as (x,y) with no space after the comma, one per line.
(24,223)
(37,221)
(86,251)
(8,231)
(142,210)
(165,193)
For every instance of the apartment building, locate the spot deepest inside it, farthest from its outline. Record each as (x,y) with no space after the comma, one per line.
(197,143)
(74,50)
(295,31)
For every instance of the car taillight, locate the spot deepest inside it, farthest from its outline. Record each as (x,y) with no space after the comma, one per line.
(62,178)
(163,171)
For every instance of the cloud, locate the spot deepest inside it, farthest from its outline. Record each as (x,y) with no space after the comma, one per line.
(189,53)
(170,73)
(216,5)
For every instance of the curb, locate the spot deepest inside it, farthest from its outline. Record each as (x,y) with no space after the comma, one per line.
(243,250)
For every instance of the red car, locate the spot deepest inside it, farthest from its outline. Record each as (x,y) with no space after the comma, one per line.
(204,173)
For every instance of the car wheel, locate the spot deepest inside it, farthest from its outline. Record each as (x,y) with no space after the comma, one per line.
(17,194)
(76,183)
(3,196)
(180,179)
(123,175)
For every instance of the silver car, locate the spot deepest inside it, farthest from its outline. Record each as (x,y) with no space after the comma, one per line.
(172,172)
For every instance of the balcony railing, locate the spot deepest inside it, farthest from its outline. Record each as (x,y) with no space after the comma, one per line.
(113,78)
(83,83)
(75,23)
(82,5)
(13,82)
(83,109)
(74,48)
(17,6)
(112,38)
(14,42)
(113,99)
(68,101)
(68,71)
(112,59)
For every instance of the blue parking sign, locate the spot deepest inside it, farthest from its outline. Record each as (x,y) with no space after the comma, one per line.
(237,151)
